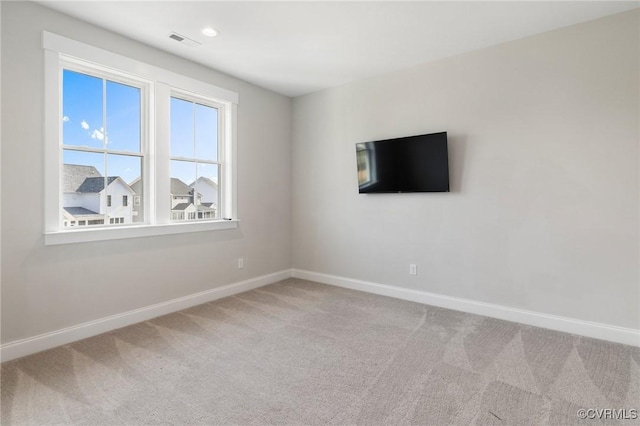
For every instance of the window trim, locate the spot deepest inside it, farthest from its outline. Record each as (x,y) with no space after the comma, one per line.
(162,84)
(221,111)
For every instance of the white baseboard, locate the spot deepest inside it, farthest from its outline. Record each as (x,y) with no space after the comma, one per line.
(627,336)
(31,345)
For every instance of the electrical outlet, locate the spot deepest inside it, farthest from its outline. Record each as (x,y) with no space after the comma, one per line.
(413,269)
(240,263)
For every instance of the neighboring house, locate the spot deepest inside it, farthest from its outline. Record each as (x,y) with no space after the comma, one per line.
(181,193)
(209,192)
(184,206)
(138,205)
(206,212)
(181,196)
(183,211)
(85,201)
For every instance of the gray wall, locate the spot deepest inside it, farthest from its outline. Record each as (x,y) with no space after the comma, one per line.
(48,288)
(543,139)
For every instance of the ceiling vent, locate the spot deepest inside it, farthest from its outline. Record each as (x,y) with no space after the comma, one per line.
(184,40)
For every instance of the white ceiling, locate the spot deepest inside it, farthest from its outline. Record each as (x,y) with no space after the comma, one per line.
(296,48)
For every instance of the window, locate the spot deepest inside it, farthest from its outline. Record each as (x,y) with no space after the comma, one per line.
(101,141)
(119,127)
(195,129)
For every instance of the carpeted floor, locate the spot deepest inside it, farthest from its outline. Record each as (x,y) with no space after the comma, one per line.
(298,352)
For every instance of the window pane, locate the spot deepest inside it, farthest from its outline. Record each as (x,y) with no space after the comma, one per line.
(82,185)
(82,110)
(123,117)
(206,133)
(183,174)
(206,187)
(125,183)
(182,137)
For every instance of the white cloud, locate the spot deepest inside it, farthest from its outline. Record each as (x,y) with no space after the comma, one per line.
(65,118)
(97,134)
(84,125)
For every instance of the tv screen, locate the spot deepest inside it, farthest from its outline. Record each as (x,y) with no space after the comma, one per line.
(410,164)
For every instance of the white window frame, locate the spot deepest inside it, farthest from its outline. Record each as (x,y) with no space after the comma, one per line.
(74,65)
(156,170)
(221,148)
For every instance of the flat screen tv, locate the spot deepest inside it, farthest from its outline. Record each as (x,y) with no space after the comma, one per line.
(410,164)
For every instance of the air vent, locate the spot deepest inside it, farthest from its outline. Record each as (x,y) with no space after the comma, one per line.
(184,40)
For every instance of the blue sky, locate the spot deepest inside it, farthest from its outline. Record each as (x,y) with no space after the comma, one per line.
(89,121)
(193,123)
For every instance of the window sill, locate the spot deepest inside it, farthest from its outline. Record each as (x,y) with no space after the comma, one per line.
(136,231)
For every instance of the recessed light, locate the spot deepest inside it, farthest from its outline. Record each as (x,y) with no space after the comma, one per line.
(209,32)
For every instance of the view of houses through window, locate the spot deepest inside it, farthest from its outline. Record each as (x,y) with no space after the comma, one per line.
(194,159)
(104,154)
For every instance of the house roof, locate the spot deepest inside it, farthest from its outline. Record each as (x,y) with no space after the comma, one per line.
(204,180)
(85,179)
(75,175)
(136,185)
(181,206)
(178,187)
(79,211)
(94,184)
(184,206)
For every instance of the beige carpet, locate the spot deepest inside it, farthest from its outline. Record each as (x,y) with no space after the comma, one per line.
(297,352)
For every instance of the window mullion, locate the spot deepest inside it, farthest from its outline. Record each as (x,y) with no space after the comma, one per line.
(162,181)
(147,146)
(104,148)
(195,162)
